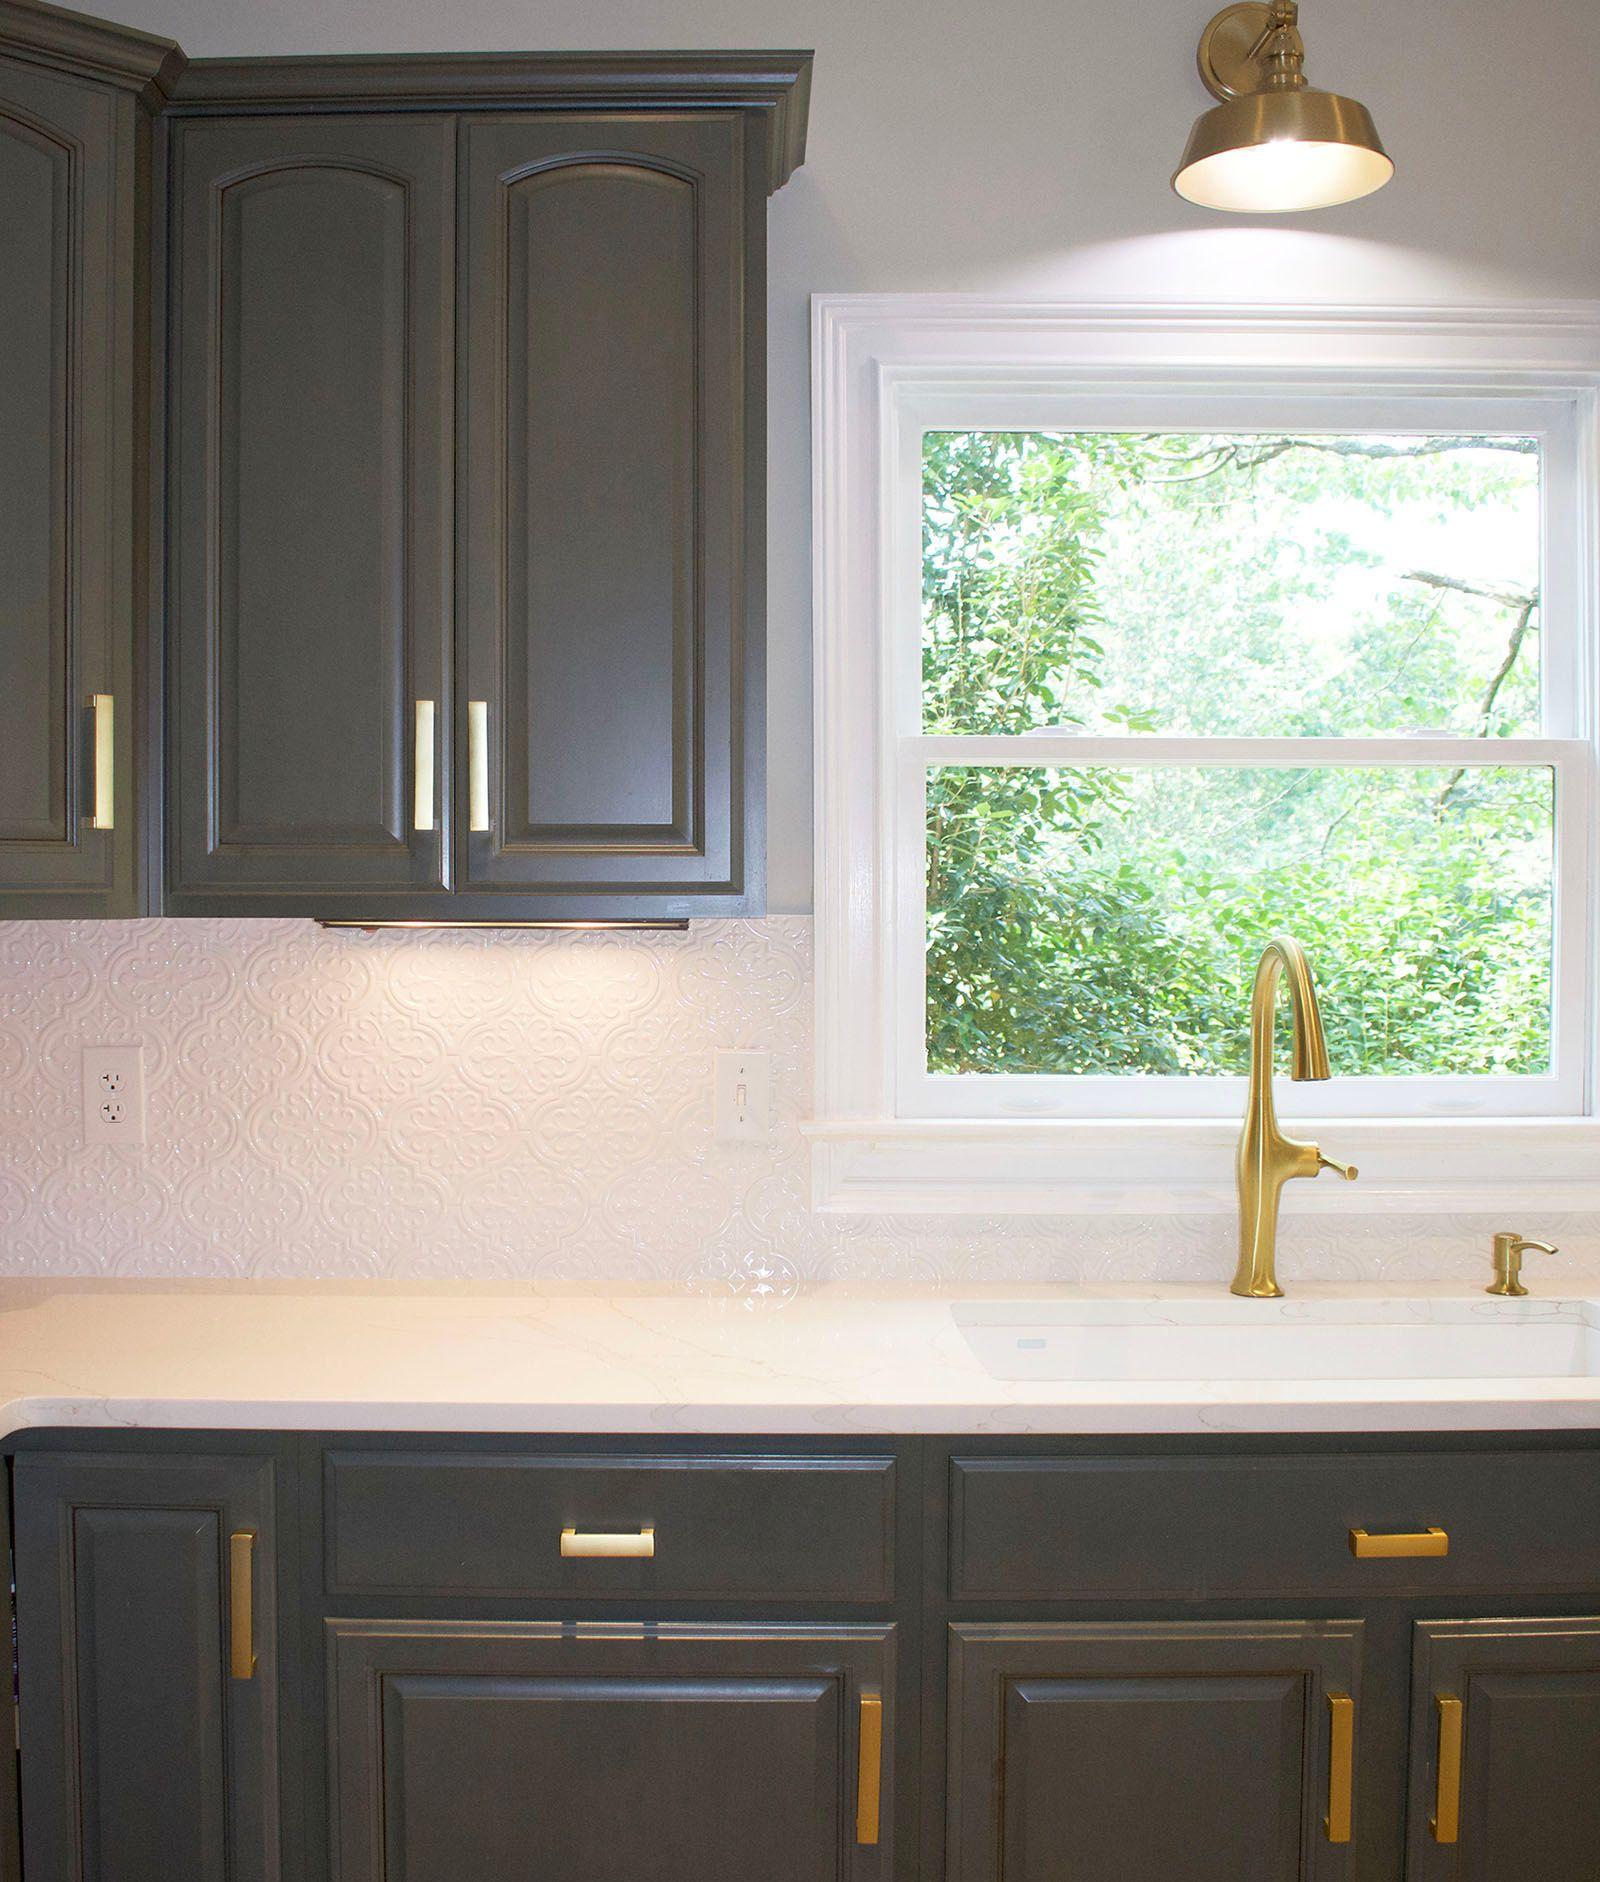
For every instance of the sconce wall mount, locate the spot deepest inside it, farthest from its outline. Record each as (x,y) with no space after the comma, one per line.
(1274,144)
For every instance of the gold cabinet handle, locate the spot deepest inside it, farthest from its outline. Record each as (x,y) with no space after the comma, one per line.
(637,1543)
(1389,1547)
(1341,1765)
(1446,1824)
(241,1604)
(869,1767)
(103,707)
(422,815)
(477,764)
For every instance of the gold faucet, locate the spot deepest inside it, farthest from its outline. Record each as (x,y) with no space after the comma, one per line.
(1509,1249)
(1267,1158)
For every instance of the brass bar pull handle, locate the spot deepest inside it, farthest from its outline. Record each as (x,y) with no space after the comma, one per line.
(1389,1547)
(423,816)
(104,710)
(637,1543)
(869,1767)
(477,764)
(1446,1824)
(1341,1765)
(241,1604)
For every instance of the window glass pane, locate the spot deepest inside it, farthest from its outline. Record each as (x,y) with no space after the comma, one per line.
(1248,584)
(1109,921)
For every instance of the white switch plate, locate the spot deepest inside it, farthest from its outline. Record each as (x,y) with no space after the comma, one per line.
(113,1095)
(742,1087)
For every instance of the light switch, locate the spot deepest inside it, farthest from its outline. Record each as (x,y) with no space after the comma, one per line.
(742,1087)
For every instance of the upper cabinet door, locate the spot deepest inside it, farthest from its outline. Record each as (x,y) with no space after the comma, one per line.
(313,276)
(610,694)
(69,844)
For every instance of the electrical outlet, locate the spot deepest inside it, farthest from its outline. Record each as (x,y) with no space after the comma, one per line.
(742,1087)
(113,1095)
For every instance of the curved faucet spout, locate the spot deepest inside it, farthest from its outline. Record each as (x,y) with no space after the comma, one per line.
(1267,1159)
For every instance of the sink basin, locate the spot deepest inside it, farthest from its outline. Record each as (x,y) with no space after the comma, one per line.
(1290,1339)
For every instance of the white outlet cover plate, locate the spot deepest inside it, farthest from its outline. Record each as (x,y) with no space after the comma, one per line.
(113,1095)
(742,1085)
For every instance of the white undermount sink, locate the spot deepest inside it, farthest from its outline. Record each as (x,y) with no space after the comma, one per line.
(1282,1340)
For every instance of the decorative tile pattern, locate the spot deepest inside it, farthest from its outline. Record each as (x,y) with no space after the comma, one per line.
(515,1105)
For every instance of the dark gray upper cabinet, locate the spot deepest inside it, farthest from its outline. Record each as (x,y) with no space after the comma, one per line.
(312,271)
(468,625)
(609,549)
(73,437)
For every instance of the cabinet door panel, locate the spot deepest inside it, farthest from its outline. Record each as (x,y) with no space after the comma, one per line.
(1529,1806)
(66,489)
(535,1751)
(143,1758)
(1145,1752)
(604,515)
(312,378)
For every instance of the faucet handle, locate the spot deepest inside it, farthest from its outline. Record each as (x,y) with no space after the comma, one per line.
(1347,1170)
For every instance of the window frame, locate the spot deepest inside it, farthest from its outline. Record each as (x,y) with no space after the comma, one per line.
(889,369)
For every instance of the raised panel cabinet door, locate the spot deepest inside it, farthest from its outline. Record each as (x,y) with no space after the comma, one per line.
(311,374)
(610,682)
(543,1751)
(1505,1751)
(146,1661)
(68,838)
(1209,1751)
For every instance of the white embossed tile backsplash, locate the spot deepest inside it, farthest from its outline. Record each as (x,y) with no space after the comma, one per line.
(524,1106)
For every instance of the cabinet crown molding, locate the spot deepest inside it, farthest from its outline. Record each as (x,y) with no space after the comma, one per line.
(143,63)
(776,83)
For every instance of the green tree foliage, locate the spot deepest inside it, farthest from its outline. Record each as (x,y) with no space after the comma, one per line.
(1085,920)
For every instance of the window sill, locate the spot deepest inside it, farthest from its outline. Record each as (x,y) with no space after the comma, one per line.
(1412,1166)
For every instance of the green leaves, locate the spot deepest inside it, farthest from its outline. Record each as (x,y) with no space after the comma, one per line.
(1089,920)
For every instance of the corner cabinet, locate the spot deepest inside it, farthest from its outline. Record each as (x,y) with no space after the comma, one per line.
(466,498)
(147,1668)
(75,103)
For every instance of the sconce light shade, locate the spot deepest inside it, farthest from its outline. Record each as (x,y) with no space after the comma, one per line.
(1274,145)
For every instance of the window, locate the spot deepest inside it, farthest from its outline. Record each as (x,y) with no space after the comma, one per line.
(1154,658)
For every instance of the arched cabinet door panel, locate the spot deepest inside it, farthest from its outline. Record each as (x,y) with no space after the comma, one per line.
(68,823)
(311,374)
(609,698)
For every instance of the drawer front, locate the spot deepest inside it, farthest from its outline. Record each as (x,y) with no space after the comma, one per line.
(723,1528)
(1193,1528)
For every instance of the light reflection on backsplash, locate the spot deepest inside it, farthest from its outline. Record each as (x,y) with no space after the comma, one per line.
(524,1106)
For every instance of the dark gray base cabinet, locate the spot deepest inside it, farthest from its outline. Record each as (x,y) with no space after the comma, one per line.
(532,1660)
(549,1749)
(150,1752)
(1140,1751)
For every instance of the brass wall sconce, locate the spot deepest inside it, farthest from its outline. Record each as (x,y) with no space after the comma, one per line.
(1275,144)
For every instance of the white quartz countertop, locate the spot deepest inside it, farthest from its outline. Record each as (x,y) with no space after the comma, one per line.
(341,1356)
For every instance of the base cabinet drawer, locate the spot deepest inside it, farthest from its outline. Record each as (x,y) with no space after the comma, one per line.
(1153,1751)
(1196,1527)
(625,1527)
(520,1751)
(1505,1751)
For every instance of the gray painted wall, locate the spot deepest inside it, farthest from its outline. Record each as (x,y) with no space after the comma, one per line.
(1023,146)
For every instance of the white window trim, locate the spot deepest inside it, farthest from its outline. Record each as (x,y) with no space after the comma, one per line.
(888,367)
